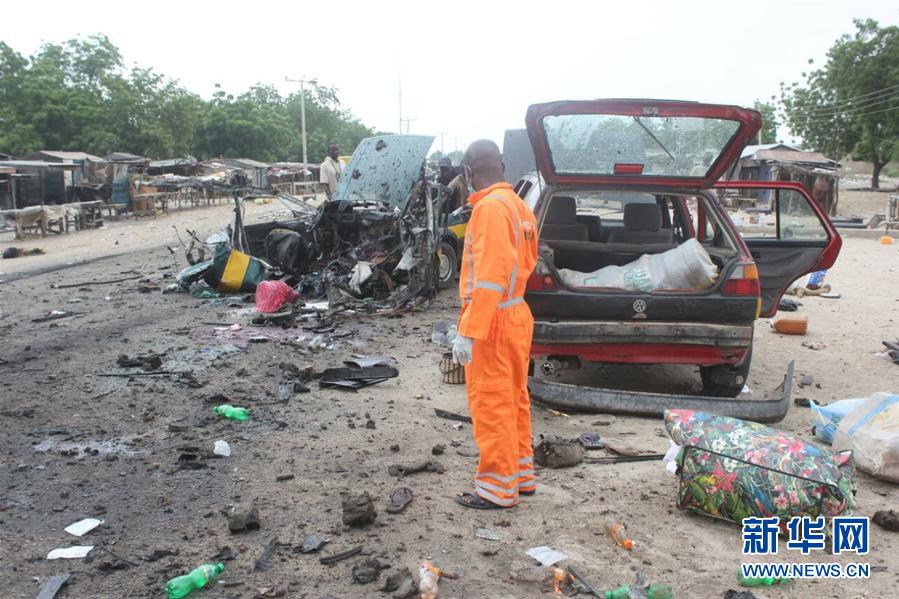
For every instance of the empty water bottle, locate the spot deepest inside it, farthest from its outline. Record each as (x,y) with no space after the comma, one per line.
(443,333)
(654,591)
(182,586)
(615,529)
(231,412)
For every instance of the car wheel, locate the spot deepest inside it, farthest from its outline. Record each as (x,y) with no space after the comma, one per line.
(447,265)
(723,380)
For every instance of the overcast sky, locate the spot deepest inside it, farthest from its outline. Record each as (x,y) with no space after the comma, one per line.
(468,69)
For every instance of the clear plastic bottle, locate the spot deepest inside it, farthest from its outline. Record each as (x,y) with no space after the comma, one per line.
(615,529)
(182,586)
(428,575)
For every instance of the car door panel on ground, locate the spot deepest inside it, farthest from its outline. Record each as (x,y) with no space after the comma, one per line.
(791,238)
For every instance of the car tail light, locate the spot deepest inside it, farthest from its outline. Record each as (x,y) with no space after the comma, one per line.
(537,282)
(623,168)
(542,279)
(744,282)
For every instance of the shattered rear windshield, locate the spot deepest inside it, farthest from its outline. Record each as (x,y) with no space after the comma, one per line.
(593,144)
(383,169)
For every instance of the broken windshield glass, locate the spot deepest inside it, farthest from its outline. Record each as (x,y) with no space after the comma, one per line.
(594,144)
(383,169)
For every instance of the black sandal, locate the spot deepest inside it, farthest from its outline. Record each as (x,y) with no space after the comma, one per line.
(528,493)
(476,502)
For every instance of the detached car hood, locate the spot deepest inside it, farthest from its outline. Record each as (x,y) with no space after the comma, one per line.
(383,169)
(638,142)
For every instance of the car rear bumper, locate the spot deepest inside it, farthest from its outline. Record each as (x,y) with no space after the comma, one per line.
(638,342)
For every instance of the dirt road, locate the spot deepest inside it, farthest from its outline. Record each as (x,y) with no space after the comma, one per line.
(78,445)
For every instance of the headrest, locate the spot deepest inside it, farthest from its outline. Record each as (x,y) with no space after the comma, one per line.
(562,211)
(642,217)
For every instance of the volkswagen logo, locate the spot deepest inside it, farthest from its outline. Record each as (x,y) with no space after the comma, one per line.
(639,306)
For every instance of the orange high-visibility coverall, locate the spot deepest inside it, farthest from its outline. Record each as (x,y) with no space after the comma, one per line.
(499,256)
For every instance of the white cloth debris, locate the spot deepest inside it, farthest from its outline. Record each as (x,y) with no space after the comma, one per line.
(408,261)
(546,555)
(361,273)
(76,552)
(83,526)
(670,459)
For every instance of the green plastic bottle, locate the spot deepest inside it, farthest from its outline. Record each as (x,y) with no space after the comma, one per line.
(655,591)
(231,412)
(659,591)
(622,592)
(759,582)
(182,586)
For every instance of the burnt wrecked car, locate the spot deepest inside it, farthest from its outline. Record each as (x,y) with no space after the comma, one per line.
(373,245)
(638,260)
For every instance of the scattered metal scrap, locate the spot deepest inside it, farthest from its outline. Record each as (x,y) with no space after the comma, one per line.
(611,401)
(339,557)
(372,248)
(52,586)
(86,283)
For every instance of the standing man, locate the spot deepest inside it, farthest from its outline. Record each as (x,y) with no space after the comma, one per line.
(331,170)
(495,329)
(458,191)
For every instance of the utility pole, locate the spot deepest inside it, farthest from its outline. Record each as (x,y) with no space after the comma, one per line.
(302,83)
(407,121)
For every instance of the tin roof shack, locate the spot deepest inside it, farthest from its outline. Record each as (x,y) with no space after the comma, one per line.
(184,167)
(782,162)
(124,167)
(257,172)
(294,178)
(33,183)
(90,171)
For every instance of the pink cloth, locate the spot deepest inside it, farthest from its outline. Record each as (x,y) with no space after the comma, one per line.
(272,295)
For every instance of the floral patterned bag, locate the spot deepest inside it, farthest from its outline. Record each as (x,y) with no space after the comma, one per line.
(733,469)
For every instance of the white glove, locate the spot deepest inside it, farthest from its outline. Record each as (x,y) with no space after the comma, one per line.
(462,350)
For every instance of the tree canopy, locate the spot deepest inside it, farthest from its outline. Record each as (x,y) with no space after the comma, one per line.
(850,106)
(768,132)
(79,96)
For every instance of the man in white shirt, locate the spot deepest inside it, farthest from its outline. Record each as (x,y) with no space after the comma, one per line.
(331,169)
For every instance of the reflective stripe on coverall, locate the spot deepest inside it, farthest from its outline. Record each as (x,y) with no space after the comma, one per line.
(500,253)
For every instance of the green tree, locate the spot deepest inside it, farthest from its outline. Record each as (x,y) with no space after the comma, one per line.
(78,95)
(768,132)
(455,156)
(851,104)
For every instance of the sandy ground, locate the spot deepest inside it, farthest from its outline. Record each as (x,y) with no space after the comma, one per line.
(161,521)
(117,237)
(863,203)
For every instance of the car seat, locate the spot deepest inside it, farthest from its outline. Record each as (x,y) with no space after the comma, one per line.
(561,221)
(642,224)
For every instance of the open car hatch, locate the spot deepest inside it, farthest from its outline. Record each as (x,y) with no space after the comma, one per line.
(638,142)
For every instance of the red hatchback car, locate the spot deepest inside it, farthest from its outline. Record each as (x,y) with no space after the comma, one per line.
(639,261)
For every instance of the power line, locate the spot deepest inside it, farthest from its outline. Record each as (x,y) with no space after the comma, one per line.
(853,99)
(854,108)
(827,118)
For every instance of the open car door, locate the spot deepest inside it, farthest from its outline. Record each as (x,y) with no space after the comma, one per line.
(786,231)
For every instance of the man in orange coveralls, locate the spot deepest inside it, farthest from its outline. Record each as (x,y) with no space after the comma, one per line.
(494,332)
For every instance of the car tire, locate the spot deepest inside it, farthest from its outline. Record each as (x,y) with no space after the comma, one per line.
(447,265)
(724,380)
